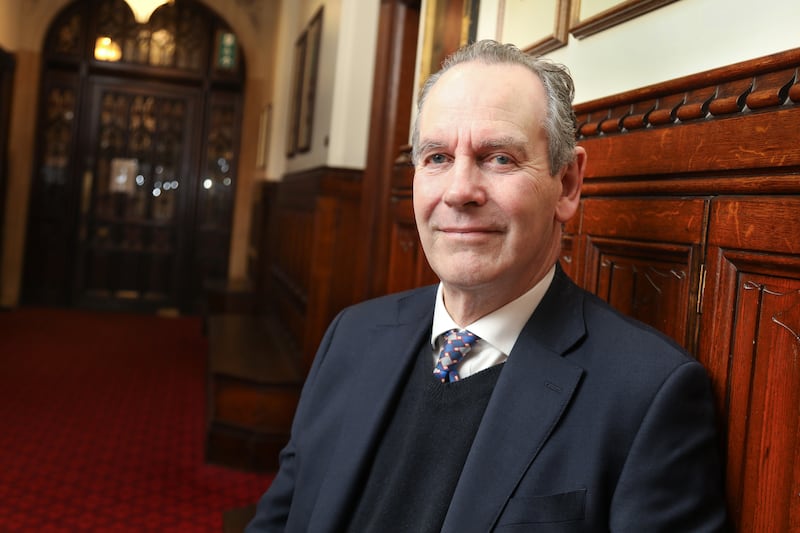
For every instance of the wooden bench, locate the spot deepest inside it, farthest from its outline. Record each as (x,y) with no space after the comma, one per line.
(263,335)
(254,382)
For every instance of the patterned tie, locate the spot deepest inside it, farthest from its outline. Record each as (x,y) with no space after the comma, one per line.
(457,343)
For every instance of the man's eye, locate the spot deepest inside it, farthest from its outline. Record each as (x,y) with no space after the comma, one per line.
(437,159)
(502,159)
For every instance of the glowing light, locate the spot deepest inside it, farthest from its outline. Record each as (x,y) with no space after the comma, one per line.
(143,9)
(106,50)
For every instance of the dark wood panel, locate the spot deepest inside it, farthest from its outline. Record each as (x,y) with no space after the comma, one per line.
(390,122)
(769,224)
(653,282)
(652,219)
(736,143)
(644,257)
(408,267)
(750,344)
(333,258)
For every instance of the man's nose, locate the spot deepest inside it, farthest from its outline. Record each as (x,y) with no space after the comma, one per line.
(466,184)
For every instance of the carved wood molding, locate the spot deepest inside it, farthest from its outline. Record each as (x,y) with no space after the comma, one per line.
(756,85)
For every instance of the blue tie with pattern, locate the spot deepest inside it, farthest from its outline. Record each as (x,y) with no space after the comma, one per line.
(457,343)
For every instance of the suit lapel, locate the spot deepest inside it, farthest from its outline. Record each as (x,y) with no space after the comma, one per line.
(530,397)
(371,401)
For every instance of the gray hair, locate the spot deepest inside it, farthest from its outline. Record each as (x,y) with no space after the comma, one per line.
(560,122)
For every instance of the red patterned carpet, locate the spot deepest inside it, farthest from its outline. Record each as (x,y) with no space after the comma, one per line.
(102,420)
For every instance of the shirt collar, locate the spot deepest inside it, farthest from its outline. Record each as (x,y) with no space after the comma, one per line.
(500,328)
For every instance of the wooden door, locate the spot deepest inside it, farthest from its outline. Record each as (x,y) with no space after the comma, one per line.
(137,157)
(643,256)
(750,344)
(136,195)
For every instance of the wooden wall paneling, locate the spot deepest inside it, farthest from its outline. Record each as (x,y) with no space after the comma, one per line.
(750,345)
(314,232)
(644,257)
(262,238)
(405,247)
(408,267)
(745,141)
(703,174)
(333,256)
(293,232)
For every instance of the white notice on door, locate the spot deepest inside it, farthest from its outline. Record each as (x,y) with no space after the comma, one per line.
(123,175)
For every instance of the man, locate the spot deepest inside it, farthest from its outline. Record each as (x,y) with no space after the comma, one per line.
(547,411)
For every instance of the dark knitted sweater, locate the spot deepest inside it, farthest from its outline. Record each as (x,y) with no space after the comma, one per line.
(419,459)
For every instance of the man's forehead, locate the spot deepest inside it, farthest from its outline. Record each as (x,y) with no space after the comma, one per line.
(481,84)
(480,73)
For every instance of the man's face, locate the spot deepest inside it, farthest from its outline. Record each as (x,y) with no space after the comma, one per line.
(484,200)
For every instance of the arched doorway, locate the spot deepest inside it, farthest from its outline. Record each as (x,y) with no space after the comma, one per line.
(137,151)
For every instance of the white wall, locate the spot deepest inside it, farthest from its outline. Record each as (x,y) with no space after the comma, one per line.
(340,133)
(352,91)
(681,38)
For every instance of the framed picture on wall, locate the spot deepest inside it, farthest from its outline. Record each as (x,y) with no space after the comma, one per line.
(593,16)
(264,127)
(448,25)
(308,92)
(297,87)
(535,26)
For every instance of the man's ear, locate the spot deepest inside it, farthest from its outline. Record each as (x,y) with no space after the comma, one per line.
(571,182)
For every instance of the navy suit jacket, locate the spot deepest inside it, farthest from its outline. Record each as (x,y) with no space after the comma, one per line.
(597,423)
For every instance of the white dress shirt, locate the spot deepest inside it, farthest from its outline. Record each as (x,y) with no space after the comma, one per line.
(498,331)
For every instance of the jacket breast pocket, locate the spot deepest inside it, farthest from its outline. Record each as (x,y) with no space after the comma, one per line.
(553,508)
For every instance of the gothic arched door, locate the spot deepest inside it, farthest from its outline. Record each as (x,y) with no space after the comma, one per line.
(136,158)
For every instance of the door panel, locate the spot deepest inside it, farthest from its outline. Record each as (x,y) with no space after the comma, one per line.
(751,347)
(643,256)
(215,193)
(136,198)
(126,144)
(408,267)
(51,221)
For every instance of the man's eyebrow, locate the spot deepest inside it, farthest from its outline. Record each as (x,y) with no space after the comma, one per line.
(427,146)
(503,142)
